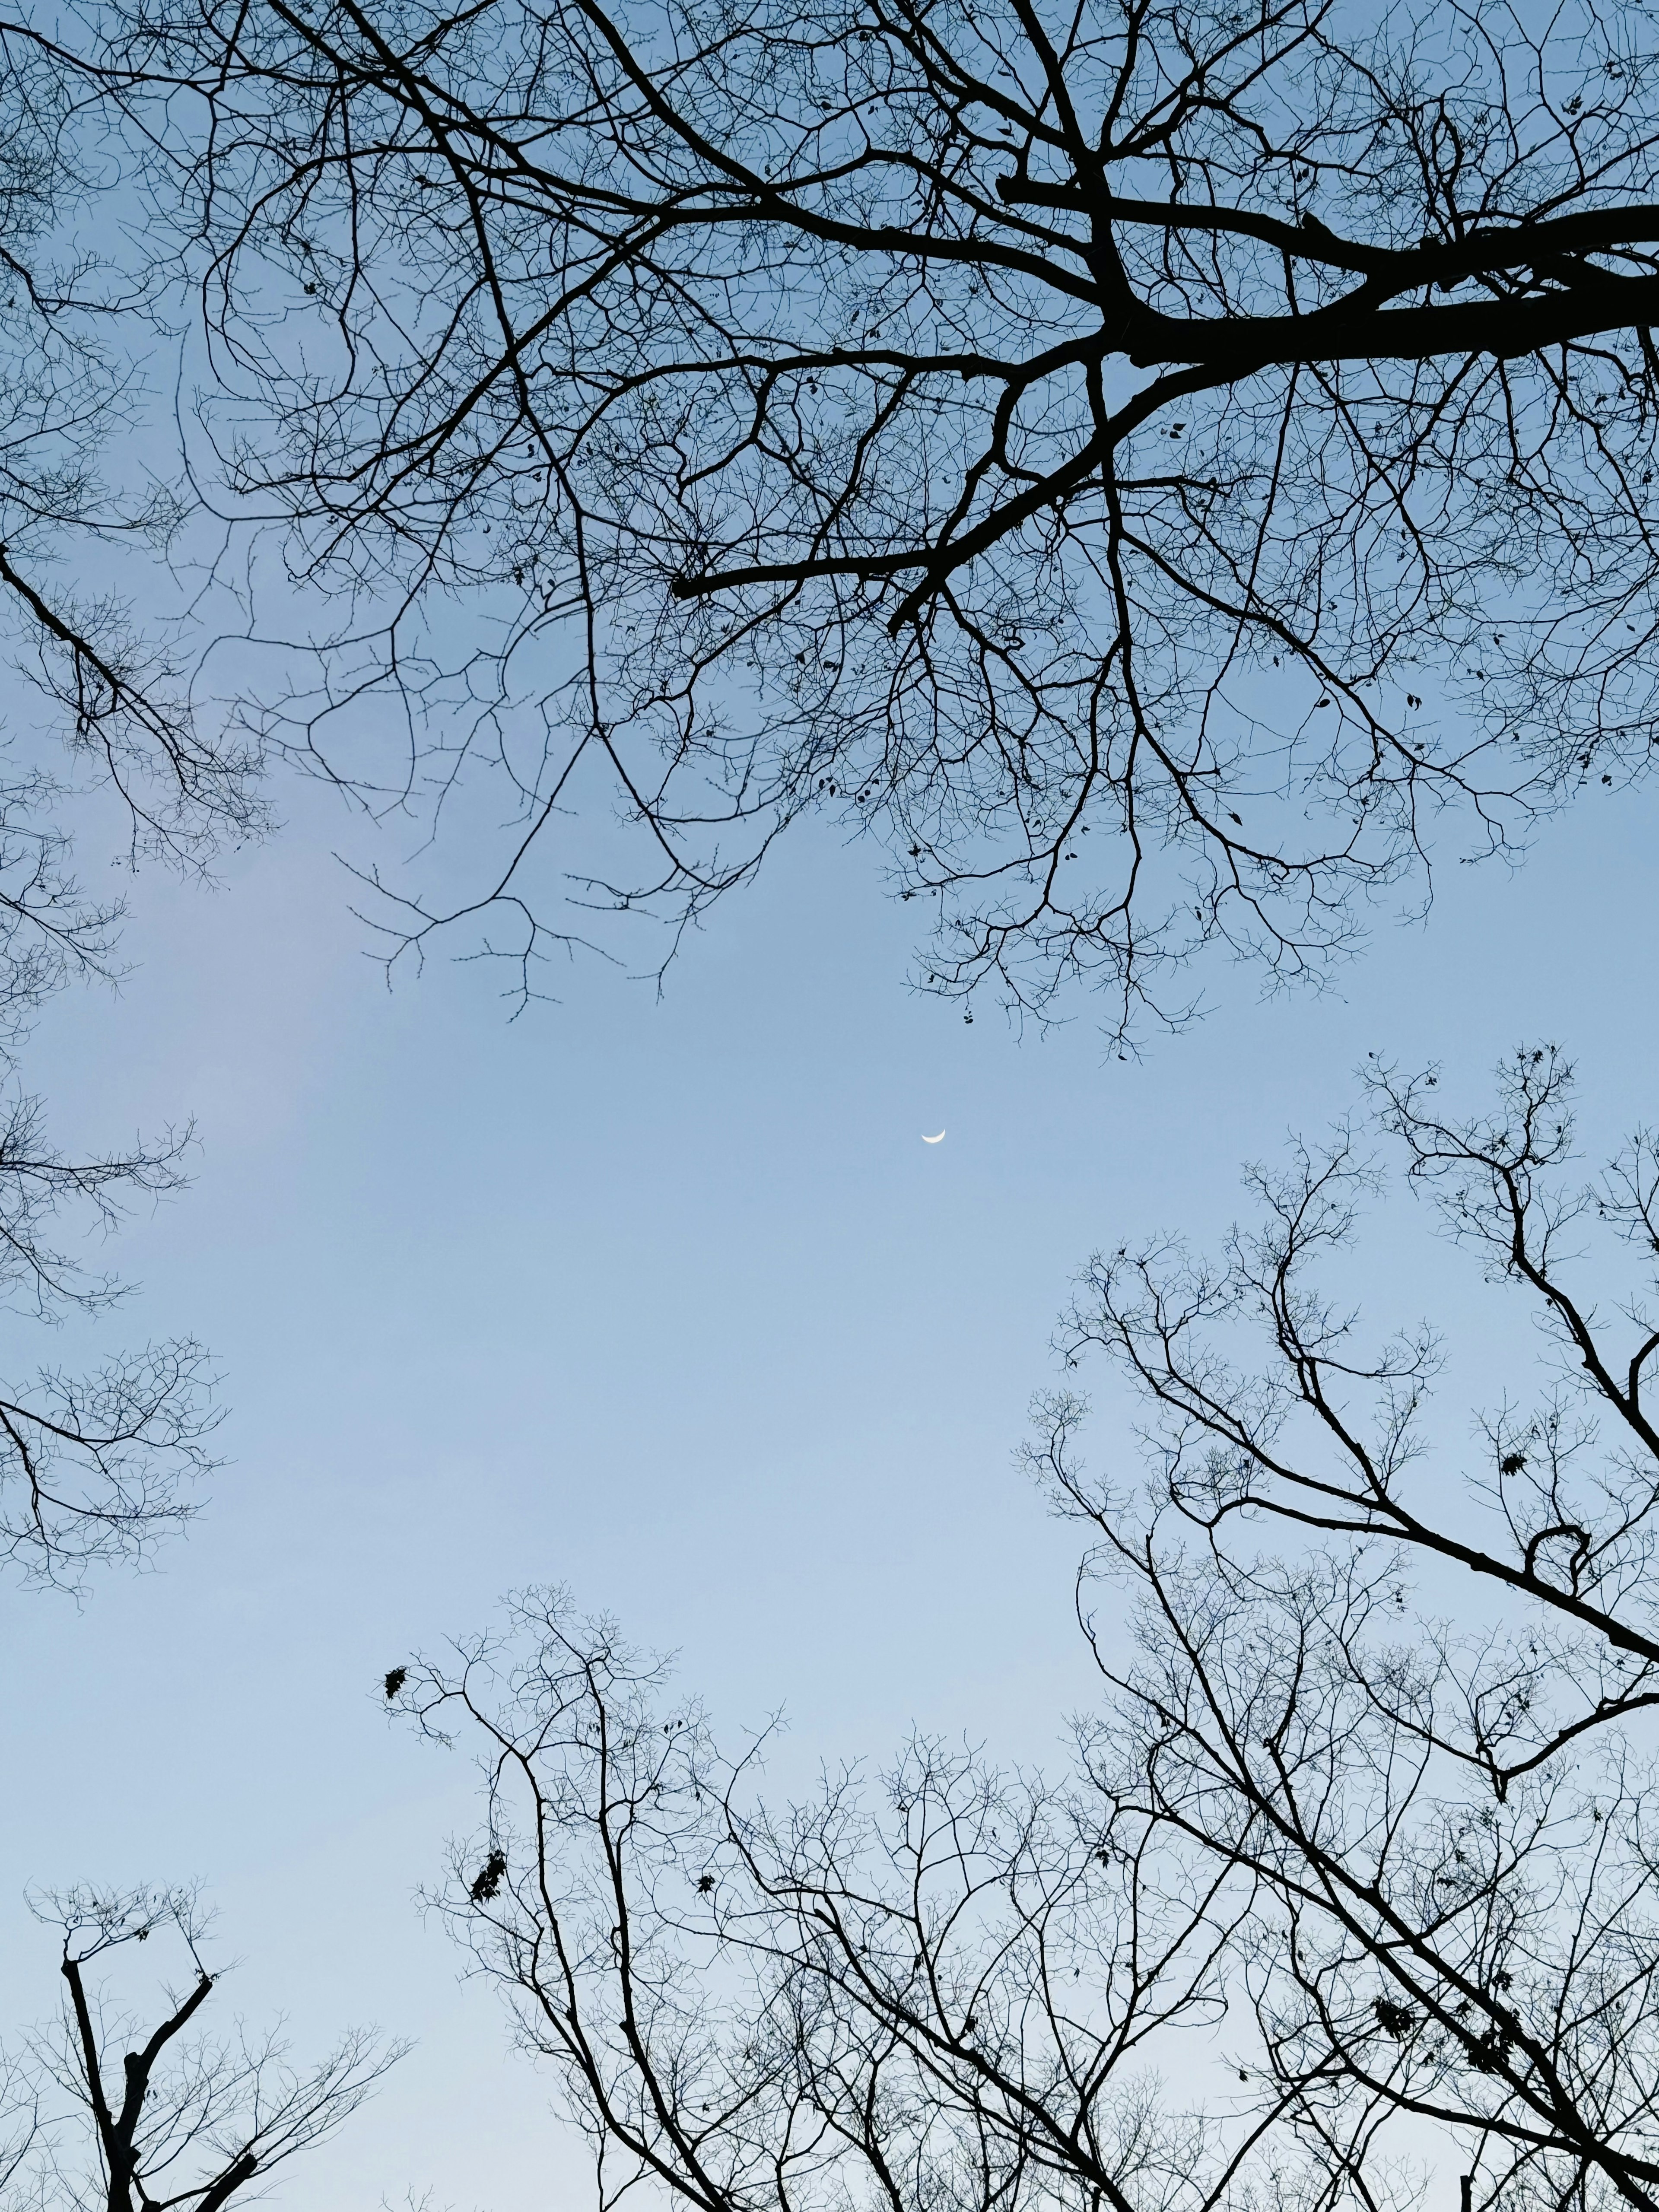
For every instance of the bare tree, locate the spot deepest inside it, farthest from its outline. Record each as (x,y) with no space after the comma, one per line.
(1329,1439)
(949,1989)
(77,321)
(1358,1850)
(95,1465)
(1426,1724)
(182,2120)
(1148,459)
(99,737)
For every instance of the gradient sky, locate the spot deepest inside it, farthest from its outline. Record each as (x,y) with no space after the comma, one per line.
(668,1302)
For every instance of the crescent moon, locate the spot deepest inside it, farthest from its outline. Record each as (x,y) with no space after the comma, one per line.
(939,1139)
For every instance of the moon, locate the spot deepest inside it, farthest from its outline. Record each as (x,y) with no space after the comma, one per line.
(939,1139)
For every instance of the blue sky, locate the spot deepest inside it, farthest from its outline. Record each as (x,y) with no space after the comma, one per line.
(667,1300)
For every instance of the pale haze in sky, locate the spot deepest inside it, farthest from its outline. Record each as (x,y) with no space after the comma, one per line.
(668,1302)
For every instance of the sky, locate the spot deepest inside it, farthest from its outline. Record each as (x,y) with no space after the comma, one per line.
(667,1300)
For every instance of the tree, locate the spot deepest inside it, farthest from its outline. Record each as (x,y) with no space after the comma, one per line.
(186,2121)
(1357,1852)
(95,1464)
(950,2005)
(1220,430)
(1450,1802)
(74,329)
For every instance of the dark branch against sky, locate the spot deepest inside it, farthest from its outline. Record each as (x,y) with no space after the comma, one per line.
(1221,433)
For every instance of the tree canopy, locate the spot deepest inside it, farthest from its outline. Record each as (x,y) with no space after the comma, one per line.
(189,2120)
(98,740)
(1164,468)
